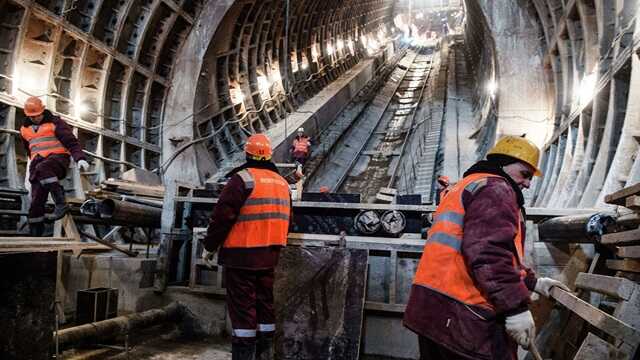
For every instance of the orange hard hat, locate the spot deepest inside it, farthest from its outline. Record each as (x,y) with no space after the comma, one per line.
(443,180)
(324,189)
(258,147)
(33,106)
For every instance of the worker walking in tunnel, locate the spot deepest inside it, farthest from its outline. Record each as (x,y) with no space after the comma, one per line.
(250,224)
(301,147)
(49,142)
(471,291)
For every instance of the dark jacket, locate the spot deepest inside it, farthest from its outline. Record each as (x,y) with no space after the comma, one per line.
(224,216)
(490,224)
(64,133)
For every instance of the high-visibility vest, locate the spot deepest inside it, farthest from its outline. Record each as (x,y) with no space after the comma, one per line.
(264,217)
(301,145)
(442,267)
(43,142)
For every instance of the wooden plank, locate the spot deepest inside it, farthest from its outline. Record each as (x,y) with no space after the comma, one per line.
(630,265)
(633,202)
(619,288)
(597,317)
(144,190)
(70,228)
(619,197)
(631,252)
(631,237)
(594,347)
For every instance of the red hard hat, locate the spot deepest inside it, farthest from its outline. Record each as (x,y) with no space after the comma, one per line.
(258,147)
(33,106)
(324,189)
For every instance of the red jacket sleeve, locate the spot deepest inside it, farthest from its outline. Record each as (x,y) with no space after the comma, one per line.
(64,133)
(490,225)
(225,213)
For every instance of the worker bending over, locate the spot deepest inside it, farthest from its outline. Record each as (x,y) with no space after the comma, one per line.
(471,291)
(50,143)
(301,147)
(250,222)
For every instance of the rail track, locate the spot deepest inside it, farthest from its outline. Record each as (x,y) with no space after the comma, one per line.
(366,159)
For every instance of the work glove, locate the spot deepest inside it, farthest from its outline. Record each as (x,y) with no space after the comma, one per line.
(83,165)
(544,285)
(521,328)
(208,258)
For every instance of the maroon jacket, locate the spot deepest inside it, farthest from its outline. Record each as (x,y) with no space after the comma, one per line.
(64,133)
(490,224)
(224,217)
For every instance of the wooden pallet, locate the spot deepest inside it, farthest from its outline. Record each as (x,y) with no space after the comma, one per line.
(623,325)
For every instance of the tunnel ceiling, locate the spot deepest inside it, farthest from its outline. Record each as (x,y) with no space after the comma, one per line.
(108,67)
(104,65)
(241,89)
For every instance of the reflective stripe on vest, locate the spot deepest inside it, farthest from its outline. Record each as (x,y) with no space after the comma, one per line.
(301,145)
(442,267)
(44,141)
(264,217)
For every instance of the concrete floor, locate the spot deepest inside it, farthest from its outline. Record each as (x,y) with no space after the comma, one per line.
(158,343)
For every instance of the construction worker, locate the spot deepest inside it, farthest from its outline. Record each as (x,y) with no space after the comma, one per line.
(49,142)
(443,187)
(250,224)
(301,147)
(470,295)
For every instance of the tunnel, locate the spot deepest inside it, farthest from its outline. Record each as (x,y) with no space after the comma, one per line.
(394,95)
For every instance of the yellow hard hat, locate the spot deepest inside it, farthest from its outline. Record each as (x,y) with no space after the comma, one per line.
(518,148)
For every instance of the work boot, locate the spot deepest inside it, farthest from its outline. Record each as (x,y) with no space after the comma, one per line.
(243,352)
(264,348)
(36,229)
(57,193)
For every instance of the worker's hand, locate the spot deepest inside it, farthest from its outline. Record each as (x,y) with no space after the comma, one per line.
(83,165)
(208,258)
(544,285)
(521,328)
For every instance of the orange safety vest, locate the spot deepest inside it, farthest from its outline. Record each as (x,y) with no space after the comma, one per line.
(301,145)
(442,267)
(43,142)
(264,218)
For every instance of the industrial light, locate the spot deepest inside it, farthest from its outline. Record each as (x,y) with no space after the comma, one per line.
(340,44)
(419,16)
(330,49)
(350,46)
(305,65)
(492,88)
(263,83)
(314,52)
(587,88)
(237,97)
(80,107)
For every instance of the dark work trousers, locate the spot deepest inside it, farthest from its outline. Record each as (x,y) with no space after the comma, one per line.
(430,350)
(250,304)
(45,175)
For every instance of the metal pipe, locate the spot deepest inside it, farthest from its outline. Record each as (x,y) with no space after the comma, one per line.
(576,228)
(110,245)
(121,325)
(136,214)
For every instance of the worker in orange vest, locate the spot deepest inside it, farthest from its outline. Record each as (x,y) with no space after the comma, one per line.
(250,224)
(301,147)
(50,143)
(470,295)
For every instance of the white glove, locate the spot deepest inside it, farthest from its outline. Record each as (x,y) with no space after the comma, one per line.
(83,165)
(544,285)
(208,258)
(521,328)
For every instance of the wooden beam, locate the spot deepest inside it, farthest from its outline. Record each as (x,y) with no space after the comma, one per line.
(630,237)
(630,252)
(619,197)
(633,202)
(594,347)
(619,288)
(629,265)
(597,317)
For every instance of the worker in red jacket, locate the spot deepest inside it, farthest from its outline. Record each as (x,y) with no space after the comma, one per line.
(50,143)
(250,224)
(301,147)
(470,295)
